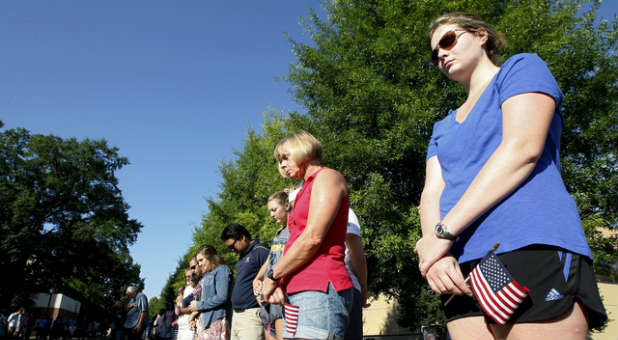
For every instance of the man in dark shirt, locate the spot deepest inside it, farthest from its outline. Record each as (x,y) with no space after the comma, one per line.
(246,323)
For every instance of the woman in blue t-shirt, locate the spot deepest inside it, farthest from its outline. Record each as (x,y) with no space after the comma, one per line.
(493,175)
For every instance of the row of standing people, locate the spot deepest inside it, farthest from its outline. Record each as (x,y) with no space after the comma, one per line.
(211,307)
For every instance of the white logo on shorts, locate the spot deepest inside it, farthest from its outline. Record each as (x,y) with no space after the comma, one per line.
(553,295)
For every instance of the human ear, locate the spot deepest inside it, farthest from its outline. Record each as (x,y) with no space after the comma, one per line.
(482,35)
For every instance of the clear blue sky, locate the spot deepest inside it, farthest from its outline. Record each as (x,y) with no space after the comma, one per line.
(173,84)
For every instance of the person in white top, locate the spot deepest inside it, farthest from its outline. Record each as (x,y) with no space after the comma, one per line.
(16,322)
(184,331)
(356,264)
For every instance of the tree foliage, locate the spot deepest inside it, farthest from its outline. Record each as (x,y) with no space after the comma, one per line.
(246,184)
(372,97)
(63,221)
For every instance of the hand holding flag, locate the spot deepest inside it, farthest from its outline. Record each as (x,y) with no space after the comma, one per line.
(496,291)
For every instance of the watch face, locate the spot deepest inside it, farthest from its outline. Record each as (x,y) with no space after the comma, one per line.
(439,229)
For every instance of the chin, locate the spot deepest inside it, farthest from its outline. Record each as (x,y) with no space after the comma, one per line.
(454,74)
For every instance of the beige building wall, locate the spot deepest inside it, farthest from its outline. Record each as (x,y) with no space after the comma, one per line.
(379,318)
(609,293)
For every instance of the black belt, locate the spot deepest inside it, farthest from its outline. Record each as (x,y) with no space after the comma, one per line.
(240,310)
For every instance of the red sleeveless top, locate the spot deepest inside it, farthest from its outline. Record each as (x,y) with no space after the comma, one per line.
(327,264)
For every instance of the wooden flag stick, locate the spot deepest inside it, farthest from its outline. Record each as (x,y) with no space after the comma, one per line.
(495,247)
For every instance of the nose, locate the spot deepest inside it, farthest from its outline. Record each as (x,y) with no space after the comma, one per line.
(442,54)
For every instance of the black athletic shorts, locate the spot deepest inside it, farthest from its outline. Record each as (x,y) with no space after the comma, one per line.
(556,279)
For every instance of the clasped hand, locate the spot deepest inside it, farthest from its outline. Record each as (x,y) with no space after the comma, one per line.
(272,292)
(441,269)
(430,249)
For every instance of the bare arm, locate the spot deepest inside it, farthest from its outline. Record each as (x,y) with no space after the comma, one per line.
(358,262)
(445,275)
(329,188)
(140,322)
(525,125)
(429,208)
(257,282)
(184,310)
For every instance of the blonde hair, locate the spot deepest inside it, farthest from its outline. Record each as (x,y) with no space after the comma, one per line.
(302,147)
(472,23)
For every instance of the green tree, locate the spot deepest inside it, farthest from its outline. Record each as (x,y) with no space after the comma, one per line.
(247,181)
(63,221)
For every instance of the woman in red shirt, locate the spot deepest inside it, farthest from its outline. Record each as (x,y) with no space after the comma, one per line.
(312,272)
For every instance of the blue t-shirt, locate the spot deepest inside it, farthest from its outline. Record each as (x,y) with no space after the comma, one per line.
(540,211)
(141,305)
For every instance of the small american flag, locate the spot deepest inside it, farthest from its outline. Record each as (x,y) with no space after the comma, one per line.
(494,288)
(291,318)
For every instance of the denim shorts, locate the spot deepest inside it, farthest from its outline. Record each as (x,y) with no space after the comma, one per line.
(321,315)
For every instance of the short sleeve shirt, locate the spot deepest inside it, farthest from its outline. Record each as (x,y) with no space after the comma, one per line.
(354,229)
(141,305)
(540,211)
(277,247)
(246,270)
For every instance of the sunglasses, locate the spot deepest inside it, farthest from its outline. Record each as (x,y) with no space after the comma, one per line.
(192,267)
(231,246)
(447,42)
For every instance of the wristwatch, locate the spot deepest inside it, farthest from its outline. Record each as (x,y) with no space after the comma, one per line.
(270,275)
(441,232)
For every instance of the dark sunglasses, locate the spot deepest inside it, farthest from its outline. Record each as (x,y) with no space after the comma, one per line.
(231,246)
(192,267)
(447,42)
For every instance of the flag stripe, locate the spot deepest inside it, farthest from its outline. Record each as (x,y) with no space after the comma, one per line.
(480,295)
(513,295)
(516,293)
(522,291)
(513,301)
(483,303)
(506,299)
(491,298)
(291,317)
(498,304)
